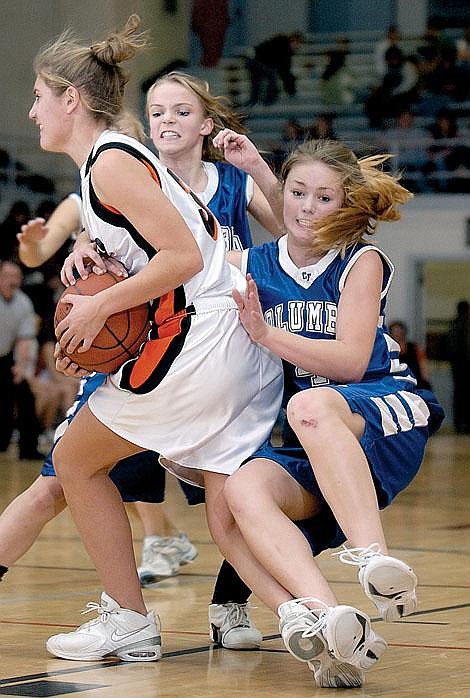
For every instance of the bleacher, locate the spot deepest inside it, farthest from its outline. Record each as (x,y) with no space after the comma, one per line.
(266,123)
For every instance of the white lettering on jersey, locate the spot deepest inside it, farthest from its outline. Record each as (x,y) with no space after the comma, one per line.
(314,379)
(304,316)
(231,240)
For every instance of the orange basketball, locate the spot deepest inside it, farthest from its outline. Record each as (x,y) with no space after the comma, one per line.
(122,334)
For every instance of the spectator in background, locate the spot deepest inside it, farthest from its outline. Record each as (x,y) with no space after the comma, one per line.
(337,81)
(292,135)
(459,355)
(397,90)
(447,154)
(434,41)
(392,39)
(405,141)
(462,47)
(273,61)
(18,350)
(209,21)
(18,214)
(321,127)
(411,353)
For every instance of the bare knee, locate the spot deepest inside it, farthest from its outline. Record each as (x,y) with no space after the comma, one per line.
(243,494)
(310,409)
(45,498)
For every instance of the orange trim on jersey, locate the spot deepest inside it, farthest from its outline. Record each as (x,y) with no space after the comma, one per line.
(168,325)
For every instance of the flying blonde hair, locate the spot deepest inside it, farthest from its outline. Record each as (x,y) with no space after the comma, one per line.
(93,70)
(216,108)
(370,194)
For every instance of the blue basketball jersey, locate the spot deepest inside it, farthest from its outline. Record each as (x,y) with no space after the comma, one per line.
(229,204)
(305,301)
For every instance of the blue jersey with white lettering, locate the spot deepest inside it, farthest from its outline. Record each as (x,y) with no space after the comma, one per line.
(229,205)
(398,417)
(305,301)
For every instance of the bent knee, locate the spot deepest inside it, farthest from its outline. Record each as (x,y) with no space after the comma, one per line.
(311,408)
(245,492)
(47,497)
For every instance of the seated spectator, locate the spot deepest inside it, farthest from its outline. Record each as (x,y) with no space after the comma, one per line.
(448,79)
(410,353)
(405,140)
(337,81)
(447,154)
(322,127)
(462,47)
(397,90)
(18,351)
(291,136)
(392,39)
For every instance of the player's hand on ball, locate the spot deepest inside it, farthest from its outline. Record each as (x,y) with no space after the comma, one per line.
(64,365)
(251,314)
(81,325)
(84,260)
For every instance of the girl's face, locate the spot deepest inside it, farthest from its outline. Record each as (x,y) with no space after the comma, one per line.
(177,120)
(48,112)
(312,190)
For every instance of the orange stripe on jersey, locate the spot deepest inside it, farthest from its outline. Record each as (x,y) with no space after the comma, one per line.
(155,350)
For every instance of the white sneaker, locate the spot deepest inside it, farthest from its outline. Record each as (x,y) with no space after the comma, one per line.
(231,626)
(163,556)
(117,632)
(388,582)
(337,641)
(328,672)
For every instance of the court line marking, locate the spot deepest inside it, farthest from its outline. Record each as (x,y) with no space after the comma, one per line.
(205,648)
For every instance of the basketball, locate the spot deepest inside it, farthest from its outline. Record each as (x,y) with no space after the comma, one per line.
(121,335)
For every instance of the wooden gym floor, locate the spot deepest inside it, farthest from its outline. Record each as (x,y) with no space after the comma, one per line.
(429,652)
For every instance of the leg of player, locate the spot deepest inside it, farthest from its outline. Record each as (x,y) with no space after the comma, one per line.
(165,549)
(230,624)
(24,518)
(123,628)
(336,641)
(329,433)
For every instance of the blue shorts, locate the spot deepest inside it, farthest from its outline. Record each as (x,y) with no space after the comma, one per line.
(139,478)
(399,420)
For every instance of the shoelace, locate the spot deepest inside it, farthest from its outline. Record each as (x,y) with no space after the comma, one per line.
(103,614)
(358,556)
(313,620)
(237,615)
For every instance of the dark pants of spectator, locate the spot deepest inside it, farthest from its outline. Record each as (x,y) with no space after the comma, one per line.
(17,408)
(461,403)
(264,82)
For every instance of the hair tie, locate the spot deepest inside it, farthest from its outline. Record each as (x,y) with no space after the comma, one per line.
(371,226)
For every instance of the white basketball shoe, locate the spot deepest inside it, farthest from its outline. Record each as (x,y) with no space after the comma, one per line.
(230,625)
(337,642)
(162,557)
(116,632)
(388,582)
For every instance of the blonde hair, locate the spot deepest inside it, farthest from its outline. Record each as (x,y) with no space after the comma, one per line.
(128,123)
(93,70)
(216,108)
(370,194)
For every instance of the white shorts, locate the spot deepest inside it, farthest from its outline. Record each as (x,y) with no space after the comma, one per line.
(214,407)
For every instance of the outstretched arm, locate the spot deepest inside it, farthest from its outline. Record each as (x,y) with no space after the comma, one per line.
(40,240)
